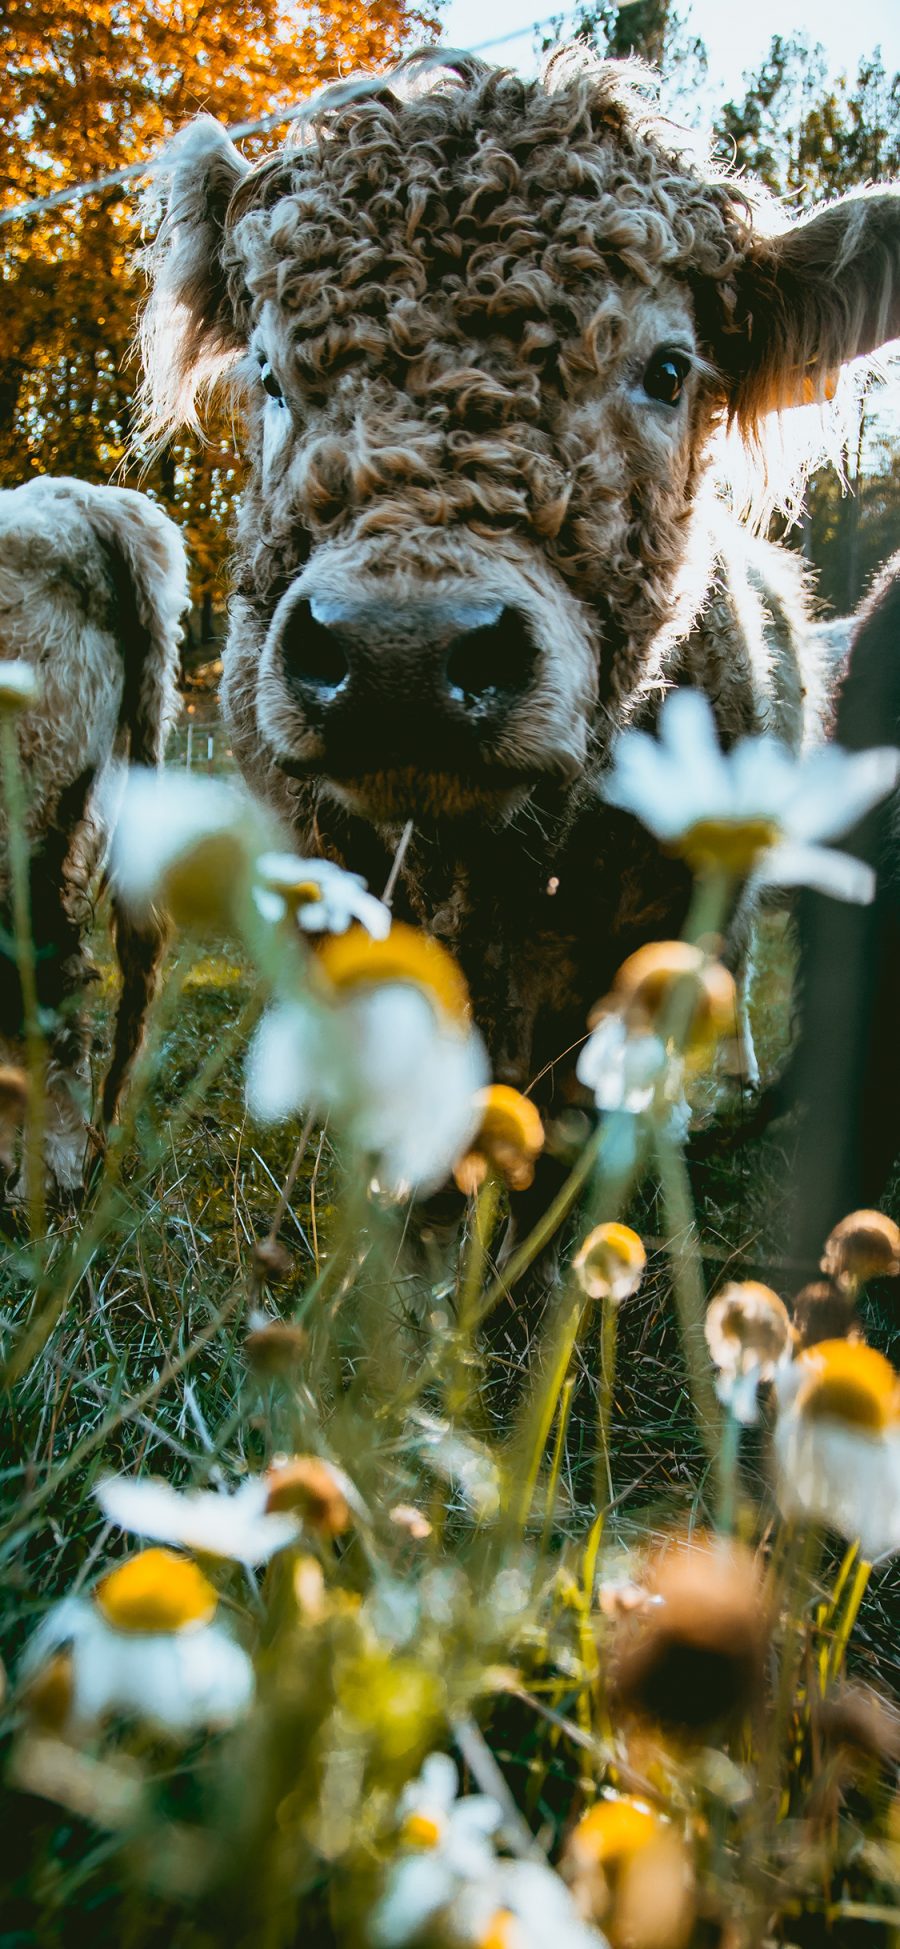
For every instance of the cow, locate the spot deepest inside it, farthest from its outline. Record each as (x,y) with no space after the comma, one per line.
(844,1077)
(93,587)
(488,335)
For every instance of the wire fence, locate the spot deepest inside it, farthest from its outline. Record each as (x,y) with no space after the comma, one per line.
(281,118)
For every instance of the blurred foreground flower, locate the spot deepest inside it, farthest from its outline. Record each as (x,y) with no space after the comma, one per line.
(610,1263)
(321,897)
(449,1886)
(630,1871)
(748,1331)
(186,845)
(757,811)
(444,1842)
(465,1463)
(695,1660)
(823,1311)
(865,1245)
(19,685)
(143,1646)
(510,1138)
(241,1527)
(837,1443)
(394,1057)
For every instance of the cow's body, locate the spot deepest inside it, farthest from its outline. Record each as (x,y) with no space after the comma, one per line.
(845,1073)
(93,587)
(489,335)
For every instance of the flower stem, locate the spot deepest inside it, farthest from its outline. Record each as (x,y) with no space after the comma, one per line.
(690,1296)
(609,1321)
(538,1418)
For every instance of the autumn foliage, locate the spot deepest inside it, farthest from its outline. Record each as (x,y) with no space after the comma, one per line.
(87,89)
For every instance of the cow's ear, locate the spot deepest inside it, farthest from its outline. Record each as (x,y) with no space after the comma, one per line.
(188,329)
(823,291)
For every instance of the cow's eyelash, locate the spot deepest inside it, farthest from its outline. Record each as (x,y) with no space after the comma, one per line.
(269,381)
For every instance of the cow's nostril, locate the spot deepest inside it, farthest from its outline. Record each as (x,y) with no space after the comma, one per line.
(495,660)
(312,654)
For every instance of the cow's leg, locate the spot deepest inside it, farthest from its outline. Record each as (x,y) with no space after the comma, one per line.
(140,948)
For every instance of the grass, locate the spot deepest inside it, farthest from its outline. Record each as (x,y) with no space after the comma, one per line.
(483,1637)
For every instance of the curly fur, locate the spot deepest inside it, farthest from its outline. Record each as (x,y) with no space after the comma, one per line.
(458,278)
(93,586)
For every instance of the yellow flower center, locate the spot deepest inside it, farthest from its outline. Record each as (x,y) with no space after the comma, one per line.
(675,989)
(354,960)
(613,1832)
(849,1382)
(507,1117)
(737,845)
(502,1931)
(422,1830)
(610,1263)
(156,1591)
(511,1136)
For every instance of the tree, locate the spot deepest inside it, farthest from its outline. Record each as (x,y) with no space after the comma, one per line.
(90,87)
(654,31)
(806,136)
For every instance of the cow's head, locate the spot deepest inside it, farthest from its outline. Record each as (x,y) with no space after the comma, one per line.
(485,331)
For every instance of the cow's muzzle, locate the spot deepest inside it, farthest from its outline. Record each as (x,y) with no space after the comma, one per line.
(426,689)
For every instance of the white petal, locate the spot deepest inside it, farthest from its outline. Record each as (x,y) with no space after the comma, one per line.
(160,816)
(645,781)
(839,788)
(416,1888)
(180,1680)
(232,1526)
(286,1069)
(820,867)
(415,1081)
(849,1480)
(687,730)
(436,1786)
(269,905)
(763,778)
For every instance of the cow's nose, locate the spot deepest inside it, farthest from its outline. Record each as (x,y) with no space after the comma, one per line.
(406,672)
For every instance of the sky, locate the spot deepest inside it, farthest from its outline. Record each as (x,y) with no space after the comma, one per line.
(737,32)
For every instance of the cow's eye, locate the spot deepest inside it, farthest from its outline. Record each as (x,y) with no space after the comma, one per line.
(665,375)
(269,380)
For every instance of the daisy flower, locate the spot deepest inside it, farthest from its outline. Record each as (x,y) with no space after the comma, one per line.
(757,811)
(520,1905)
(695,1660)
(610,1263)
(318,895)
(391,1053)
(748,1331)
(249,1526)
(508,1142)
(144,1645)
(444,1842)
(629,1870)
(837,1443)
(669,1006)
(240,1527)
(184,844)
(865,1245)
(621,1069)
